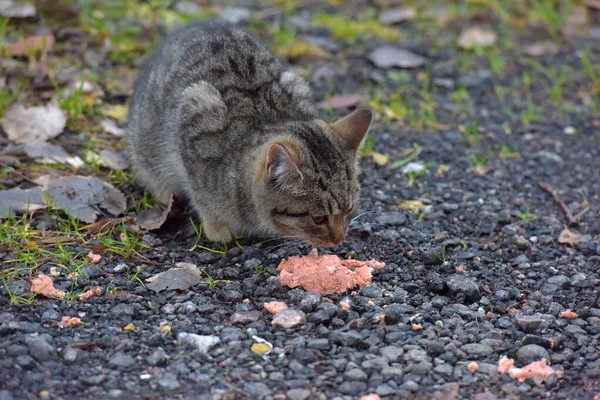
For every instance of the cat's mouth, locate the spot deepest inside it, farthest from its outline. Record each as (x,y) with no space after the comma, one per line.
(312,241)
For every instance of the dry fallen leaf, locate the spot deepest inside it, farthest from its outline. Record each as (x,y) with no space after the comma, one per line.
(13,9)
(31,45)
(46,153)
(117,111)
(380,159)
(477,37)
(414,205)
(388,57)
(397,15)
(19,201)
(34,124)
(83,197)
(43,285)
(153,218)
(108,158)
(541,48)
(182,277)
(571,238)
(110,126)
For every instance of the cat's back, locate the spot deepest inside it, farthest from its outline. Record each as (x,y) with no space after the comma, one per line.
(213,51)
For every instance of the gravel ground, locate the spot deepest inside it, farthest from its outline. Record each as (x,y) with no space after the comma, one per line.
(477,272)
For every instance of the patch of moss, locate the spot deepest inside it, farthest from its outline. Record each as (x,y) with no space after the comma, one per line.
(351,30)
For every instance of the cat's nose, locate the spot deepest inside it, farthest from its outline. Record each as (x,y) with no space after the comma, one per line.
(337,235)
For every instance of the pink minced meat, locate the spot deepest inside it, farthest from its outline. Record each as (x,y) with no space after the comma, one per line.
(326,274)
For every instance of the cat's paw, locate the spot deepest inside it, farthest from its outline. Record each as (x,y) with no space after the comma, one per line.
(217,232)
(202,109)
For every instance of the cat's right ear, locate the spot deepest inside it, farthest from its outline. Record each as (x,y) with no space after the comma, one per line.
(282,164)
(353,127)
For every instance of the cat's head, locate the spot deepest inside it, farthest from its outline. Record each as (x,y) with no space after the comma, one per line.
(307,178)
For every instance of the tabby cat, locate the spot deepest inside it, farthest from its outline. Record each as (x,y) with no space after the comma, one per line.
(216,119)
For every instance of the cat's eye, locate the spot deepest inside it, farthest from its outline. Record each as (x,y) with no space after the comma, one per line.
(320,219)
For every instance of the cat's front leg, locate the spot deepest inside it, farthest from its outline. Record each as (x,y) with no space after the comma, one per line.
(216,231)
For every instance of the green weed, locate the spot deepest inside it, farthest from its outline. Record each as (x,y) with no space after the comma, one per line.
(412,154)
(527,216)
(413,175)
(350,30)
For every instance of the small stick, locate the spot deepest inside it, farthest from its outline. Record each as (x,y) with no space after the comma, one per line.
(571,219)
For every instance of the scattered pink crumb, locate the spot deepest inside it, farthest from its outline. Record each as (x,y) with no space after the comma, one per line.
(70,322)
(461,269)
(489,315)
(371,303)
(246,301)
(43,285)
(538,370)
(326,274)
(382,319)
(94,258)
(90,293)
(274,307)
(568,314)
(371,396)
(416,327)
(597,397)
(473,367)
(345,304)
(414,317)
(54,271)
(73,275)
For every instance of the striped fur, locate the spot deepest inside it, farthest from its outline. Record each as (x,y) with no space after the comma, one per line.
(206,112)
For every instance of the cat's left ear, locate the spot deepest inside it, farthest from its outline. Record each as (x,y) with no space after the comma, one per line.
(282,163)
(353,127)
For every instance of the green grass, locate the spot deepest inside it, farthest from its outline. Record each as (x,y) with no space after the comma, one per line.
(6,98)
(197,246)
(479,164)
(413,175)
(412,154)
(350,31)
(471,134)
(527,216)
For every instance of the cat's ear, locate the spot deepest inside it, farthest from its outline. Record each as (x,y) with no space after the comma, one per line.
(282,163)
(353,127)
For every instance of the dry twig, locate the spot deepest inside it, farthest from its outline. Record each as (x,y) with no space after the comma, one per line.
(571,219)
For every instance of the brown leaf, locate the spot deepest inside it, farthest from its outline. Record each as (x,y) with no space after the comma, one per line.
(33,124)
(571,238)
(153,218)
(31,45)
(341,101)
